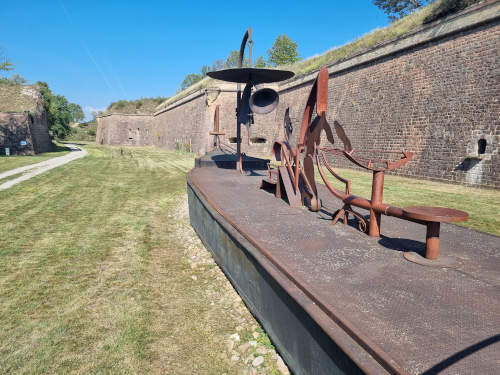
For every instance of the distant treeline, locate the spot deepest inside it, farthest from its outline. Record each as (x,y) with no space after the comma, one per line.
(284,51)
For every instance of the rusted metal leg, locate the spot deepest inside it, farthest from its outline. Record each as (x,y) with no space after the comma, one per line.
(377,194)
(432,240)
(337,215)
(346,217)
(278,184)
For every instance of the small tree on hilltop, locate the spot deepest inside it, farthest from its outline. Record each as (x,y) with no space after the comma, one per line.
(5,64)
(283,51)
(190,79)
(396,9)
(260,62)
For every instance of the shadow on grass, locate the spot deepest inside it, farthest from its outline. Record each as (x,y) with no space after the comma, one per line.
(59,148)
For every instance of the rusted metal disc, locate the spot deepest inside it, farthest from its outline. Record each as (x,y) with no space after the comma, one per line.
(253,75)
(435,213)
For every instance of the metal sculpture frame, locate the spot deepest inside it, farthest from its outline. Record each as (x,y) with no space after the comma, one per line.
(251,77)
(305,186)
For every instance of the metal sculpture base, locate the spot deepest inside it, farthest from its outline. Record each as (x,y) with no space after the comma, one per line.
(325,293)
(226,160)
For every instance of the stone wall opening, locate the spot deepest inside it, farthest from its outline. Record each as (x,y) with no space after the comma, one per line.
(258,140)
(481,146)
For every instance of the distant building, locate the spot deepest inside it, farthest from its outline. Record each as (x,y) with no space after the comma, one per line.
(23,121)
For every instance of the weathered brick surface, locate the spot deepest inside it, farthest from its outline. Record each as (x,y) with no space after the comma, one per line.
(437,99)
(24,119)
(15,127)
(125,129)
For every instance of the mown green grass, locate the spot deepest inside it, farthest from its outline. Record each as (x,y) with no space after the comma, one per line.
(483,205)
(93,269)
(92,277)
(14,161)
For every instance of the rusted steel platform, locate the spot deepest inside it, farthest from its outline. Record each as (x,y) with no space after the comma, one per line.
(337,301)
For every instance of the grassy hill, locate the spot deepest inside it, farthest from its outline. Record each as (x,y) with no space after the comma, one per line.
(19,98)
(84,131)
(145,106)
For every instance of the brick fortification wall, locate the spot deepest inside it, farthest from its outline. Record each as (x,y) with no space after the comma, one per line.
(24,126)
(125,129)
(434,92)
(23,120)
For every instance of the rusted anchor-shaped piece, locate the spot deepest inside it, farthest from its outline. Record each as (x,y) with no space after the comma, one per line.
(298,175)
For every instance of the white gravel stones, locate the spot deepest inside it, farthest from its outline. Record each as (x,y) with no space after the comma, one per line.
(280,365)
(258,361)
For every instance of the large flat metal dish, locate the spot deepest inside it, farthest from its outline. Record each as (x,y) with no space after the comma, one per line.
(253,75)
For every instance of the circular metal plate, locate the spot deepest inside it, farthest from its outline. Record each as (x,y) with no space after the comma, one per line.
(435,213)
(253,75)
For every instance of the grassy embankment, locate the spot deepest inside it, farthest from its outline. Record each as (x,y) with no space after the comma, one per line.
(483,205)
(429,13)
(100,272)
(84,132)
(11,162)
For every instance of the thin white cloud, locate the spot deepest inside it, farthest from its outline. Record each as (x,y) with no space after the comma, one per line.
(89,109)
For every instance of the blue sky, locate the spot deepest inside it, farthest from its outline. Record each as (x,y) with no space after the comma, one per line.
(96,52)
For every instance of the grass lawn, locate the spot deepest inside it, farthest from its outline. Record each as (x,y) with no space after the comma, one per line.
(11,162)
(483,205)
(100,272)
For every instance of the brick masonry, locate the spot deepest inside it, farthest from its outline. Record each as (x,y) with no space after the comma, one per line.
(435,92)
(27,126)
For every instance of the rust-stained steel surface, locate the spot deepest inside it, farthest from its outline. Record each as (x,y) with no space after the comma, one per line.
(437,214)
(410,318)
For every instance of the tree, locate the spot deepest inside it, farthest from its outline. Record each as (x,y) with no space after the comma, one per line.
(15,79)
(59,111)
(232,59)
(260,62)
(217,65)
(190,79)
(284,51)
(396,9)
(95,114)
(5,64)
(77,114)
(204,70)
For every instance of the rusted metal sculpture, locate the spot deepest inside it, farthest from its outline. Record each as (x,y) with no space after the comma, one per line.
(216,130)
(261,101)
(301,173)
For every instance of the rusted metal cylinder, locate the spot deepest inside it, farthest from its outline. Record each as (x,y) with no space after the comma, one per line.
(377,195)
(432,240)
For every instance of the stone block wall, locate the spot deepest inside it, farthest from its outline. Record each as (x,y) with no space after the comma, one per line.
(40,131)
(435,92)
(185,125)
(14,128)
(125,129)
(24,127)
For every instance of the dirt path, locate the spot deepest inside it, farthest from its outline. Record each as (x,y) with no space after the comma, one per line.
(33,170)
